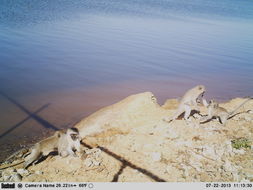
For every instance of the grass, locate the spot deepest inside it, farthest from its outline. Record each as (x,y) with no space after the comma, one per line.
(241,143)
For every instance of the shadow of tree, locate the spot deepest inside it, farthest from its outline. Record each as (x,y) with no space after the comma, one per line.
(24,120)
(116,176)
(31,115)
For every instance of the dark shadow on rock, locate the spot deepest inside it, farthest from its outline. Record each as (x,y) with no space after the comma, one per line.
(116,176)
(126,163)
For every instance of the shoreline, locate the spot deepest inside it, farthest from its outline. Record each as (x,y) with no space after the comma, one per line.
(58,110)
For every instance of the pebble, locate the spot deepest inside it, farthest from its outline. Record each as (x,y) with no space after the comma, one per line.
(88,162)
(16,177)
(247,118)
(6,177)
(22,171)
(239,151)
(245,181)
(38,172)
(96,163)
(250,111)
(169,169)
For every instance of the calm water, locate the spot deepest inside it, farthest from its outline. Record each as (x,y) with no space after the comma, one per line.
(62,60)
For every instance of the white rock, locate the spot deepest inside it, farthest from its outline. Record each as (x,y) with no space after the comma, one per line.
(170,169)
(96,163)
(239,151)
(228,166)
(245,180)
(247,118)
(171,134)
(16,177)
(156,156)
(8,172)
(209,151)
(6,177)
(236,118)
(235,176)
(249,175)
(38,172)
(197,166)
(185,170)
(22,171)
(88,162)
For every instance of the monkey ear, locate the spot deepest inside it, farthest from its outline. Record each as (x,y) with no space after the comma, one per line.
(58,134)
(74,129)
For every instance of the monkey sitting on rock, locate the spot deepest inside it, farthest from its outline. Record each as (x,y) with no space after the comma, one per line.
(215,111)
(189,100)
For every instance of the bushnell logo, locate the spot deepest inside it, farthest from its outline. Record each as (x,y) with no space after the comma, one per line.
(8,185)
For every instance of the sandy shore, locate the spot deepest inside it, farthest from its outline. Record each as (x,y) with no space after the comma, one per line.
(129,141)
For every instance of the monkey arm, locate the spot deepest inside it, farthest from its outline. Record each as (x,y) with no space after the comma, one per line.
(204,102)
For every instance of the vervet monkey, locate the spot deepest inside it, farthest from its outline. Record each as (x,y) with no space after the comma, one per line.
(215,111)
(69,142)
(43,148)
(65,142)
(190,99)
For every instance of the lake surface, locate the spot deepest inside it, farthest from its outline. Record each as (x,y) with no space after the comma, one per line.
(62,60)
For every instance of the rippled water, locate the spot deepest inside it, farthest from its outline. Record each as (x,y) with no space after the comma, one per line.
(73,57)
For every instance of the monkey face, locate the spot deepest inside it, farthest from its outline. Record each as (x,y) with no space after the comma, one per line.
(213,103)
(74,136)
(202,89)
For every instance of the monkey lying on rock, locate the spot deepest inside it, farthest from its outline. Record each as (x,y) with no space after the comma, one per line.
(66,142)
(43,148)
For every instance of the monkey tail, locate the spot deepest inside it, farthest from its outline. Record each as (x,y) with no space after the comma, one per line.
(231,113)
(4,166)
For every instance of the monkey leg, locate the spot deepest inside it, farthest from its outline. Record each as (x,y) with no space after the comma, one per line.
(78,147)
(187,112)
(177,113)
(72,153)
(206,119)
(223,120)
(204,102)
(35,154)
(64,153)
